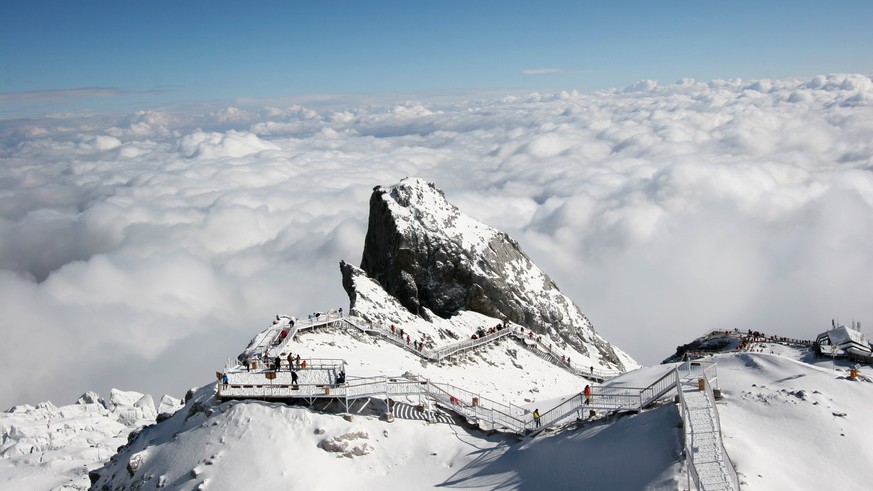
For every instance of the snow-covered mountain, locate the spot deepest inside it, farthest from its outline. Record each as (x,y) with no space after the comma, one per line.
(788,420)
(437,263)
(49,447)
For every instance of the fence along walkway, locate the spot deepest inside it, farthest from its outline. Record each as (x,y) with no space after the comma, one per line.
(533,343)
(437,354)
(272,339)
(551,355)
(614,399)
(271,342)
(485,412)
(320,381)
(709,467)
(709,464)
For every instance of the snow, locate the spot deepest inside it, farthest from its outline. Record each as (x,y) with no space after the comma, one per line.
(772,405)
(643,377)
(841,335)
(239,444)
(49,447)
(503,371)
(793,425)
(789,421)
(374,303)
(420,209)
(420,203)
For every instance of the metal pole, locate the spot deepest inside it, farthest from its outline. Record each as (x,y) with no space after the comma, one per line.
(688,468)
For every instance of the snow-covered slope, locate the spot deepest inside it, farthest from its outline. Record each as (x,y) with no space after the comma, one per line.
(373,303)
(237,445)
(792,425)
(434,262)
(789,422)
(786,424)
(48,447)
(504,370)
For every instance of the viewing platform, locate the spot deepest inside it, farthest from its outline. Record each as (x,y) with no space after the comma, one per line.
(263,371)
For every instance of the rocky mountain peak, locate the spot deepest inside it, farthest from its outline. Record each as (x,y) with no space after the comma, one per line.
(432,258)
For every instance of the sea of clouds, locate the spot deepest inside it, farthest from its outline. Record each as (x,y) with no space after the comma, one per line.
(140,251)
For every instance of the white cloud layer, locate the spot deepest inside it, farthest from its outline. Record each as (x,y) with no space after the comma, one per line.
(141,251)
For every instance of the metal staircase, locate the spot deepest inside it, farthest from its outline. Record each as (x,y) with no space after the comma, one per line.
(709,465)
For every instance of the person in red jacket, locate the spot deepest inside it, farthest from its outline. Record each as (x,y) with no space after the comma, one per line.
(587,393)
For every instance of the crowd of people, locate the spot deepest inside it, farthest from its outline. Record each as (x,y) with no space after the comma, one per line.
(749,341)
(404,336)
(482,332)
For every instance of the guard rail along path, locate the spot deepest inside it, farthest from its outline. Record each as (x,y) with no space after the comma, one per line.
(324,378)
(709,466)
(274,341)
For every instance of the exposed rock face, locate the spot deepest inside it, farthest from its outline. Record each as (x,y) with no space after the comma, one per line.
(433,258)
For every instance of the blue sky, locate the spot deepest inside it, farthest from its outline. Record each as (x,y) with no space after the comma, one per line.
(57,56)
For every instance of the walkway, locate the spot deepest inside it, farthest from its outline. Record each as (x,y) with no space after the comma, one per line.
(709,466)
(319,380)
(272,342)
(556,357)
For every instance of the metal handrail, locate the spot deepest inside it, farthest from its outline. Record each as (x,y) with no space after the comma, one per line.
(479,407)
(471,343)
(574,368)
(732,472)
(436,355)
(690,435)
(610,398)
(689,455)
(658,388)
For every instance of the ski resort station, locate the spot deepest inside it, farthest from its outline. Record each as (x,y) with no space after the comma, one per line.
(844,342)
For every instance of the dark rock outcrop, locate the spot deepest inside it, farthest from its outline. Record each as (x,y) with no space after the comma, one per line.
(432,258)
